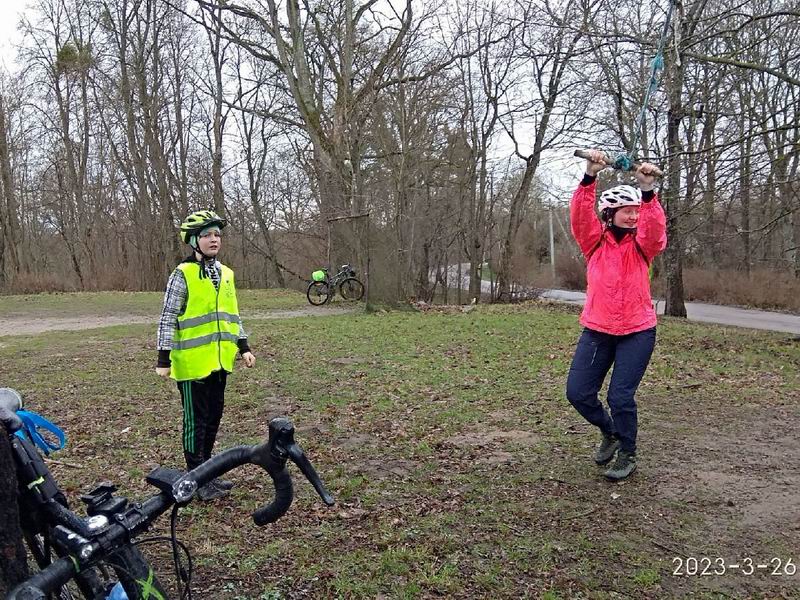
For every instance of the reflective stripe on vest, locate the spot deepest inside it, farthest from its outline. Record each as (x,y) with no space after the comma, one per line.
(208,330)
(186,323)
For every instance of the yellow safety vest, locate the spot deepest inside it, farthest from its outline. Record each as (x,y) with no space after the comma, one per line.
(208,330)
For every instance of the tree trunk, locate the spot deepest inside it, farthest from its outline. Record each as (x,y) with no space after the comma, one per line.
(709,198)
(514,221)
(673,256)
(218,125)
(744,198)
(9,219)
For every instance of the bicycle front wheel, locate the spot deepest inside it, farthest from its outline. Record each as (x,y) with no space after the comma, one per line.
(318,293)
(351,289)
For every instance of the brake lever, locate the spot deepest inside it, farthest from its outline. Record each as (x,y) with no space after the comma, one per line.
(299,458)
(283,446)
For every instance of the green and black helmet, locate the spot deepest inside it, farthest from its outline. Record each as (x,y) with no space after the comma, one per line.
(199,220)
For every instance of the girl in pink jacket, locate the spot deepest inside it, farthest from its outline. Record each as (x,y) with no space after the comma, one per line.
(618,317)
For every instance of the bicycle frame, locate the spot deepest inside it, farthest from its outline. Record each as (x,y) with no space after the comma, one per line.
(333,282)
(108,535)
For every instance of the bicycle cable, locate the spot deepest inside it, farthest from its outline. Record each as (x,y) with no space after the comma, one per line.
(179,572)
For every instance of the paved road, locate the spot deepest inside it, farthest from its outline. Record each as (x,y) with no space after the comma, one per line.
(696,311)
(710,313)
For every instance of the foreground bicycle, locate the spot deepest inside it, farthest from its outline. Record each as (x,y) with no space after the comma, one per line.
(85,548)
(322,289)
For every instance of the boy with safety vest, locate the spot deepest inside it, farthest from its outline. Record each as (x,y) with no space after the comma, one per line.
(199,334)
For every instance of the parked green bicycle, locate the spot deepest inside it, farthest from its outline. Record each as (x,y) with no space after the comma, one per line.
(323,288)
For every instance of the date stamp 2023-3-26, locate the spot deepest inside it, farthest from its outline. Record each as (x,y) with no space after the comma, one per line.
(710,566)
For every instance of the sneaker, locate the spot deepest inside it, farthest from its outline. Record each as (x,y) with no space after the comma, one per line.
(605,451)
(623,466)
(223,484)
(211,492)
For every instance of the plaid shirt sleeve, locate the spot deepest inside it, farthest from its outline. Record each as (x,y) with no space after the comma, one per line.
(174,305)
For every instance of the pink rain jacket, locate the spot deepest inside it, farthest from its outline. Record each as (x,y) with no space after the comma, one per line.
(618,298)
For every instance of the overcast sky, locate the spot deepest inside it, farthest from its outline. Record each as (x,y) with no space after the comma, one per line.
(10,11)
(560,168)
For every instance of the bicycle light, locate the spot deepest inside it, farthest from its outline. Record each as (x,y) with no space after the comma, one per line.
(97,523)
(184,489)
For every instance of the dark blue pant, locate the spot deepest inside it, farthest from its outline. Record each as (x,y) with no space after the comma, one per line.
(596,352)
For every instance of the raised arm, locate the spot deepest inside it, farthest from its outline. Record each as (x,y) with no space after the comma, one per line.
(651,231)
(586,227)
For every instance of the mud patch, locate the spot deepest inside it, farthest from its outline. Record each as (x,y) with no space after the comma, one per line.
(312,431)
(497,458)
(395,468)
(740,481)
(277,406)
(756,501)
(490,438)
(349,360)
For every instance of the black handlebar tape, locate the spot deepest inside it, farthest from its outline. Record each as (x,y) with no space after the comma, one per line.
(283,499)
(62,515)
(221,464)
(44,582)
(300,459)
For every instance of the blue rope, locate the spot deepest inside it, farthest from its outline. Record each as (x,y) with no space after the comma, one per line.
(626,161)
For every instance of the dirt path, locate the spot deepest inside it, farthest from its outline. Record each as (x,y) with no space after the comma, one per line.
(30,325)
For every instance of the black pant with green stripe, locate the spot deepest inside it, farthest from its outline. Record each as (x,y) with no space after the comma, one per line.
(203,402)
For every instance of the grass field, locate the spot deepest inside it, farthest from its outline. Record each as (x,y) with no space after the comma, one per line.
(459,468)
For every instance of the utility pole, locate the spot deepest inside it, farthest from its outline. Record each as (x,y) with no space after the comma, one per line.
(552,243)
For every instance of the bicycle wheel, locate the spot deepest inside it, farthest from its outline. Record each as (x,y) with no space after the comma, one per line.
(351,289)
(318,293)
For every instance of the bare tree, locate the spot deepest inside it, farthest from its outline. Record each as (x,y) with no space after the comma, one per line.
(254,97)
(549,50)
(10,231)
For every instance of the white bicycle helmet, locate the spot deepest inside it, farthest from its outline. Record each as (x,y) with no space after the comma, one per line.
(621,195)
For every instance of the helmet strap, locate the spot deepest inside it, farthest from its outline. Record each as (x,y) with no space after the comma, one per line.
(199,253)
(620,232)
